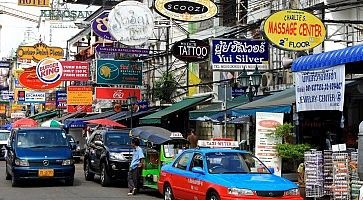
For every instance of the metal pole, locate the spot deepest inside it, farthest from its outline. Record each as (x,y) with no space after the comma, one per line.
(225,110)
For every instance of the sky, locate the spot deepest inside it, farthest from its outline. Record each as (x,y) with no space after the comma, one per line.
(15,31)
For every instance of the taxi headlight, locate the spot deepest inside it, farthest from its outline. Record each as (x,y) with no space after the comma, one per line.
(67,162)
(117,156)
(20,162)
(293,192)
(239,192)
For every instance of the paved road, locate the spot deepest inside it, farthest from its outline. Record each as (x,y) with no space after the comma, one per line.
(81,190)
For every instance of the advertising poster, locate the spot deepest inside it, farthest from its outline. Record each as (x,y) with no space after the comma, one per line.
(321,89)
(265,143)
(75,71)
(61,99)
(79,95)
(117,93)
(118,72)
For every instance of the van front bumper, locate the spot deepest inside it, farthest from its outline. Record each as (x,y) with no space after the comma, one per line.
(27,173)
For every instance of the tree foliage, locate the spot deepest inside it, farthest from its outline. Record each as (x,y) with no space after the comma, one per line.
(165,87)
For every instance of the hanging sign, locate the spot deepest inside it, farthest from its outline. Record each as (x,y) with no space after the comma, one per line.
(294,30)
(61,99)
(131,23)
(39,51)
(5,64)
(17,115)
(113,93)
(31,97)
(186,10)
(108,49)
(265,143)
(100,26)
(79,108)
(117,72)
(49,70)
(79,95)
(321,89)
(239,54)
(75,71)
(29,79)
(191,50)
(60,14)
(37,3)
(7,95)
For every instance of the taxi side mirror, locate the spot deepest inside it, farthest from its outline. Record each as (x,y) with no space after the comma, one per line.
(272,170)
(198,170)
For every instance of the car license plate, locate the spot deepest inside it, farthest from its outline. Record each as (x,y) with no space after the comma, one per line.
(46,172)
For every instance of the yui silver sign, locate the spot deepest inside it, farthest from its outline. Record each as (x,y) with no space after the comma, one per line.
(131,23)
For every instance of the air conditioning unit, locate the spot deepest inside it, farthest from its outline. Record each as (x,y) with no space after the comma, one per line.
(266,80)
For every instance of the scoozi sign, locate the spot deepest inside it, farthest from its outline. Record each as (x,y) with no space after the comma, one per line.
(186,10)
(294,30)
(49,70)
(39,51)
(191,50)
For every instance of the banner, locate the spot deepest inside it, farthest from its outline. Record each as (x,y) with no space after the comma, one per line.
(320,89)
(239,54)
(266,144)
(61,99)
(117,93)
(75,71)
(79,95)
(118,72)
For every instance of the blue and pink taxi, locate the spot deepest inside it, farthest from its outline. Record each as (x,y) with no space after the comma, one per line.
(219,173)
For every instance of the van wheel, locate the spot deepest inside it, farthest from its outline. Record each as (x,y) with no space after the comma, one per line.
(213,196)
(105,178)
(87,174)
(168,192)
(7,175)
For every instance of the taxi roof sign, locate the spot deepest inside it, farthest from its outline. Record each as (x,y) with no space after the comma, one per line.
(218,144)
(176,135)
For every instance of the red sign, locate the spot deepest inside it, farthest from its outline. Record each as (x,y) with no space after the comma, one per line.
(75,71)
(79,108)
(29,79)
(117,93)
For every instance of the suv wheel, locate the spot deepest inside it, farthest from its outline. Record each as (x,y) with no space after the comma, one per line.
(7,175)
(87,174)
(105,178)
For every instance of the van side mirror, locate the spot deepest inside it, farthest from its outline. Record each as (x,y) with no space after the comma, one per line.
(198,170)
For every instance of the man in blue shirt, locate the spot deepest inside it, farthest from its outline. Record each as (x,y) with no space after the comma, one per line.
(135,166)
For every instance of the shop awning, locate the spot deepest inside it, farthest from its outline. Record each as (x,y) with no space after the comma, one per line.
(80,122)
(69,115)
(98,116)
(328,59)
(279,102)
(156,118)
(46,114)
(118,115)
(127,114)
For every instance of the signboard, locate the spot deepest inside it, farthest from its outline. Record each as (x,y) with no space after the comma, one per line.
(107,49)
(75,71)
(79,108)
(61,99)
(217,144)
(117,72)
(2,108)
(31,97)
(321,89)
(79,95)
(113,93)
(39,51)
(59,14)
(21,96)
(239,54)
(191,50)
(7,95)
(29,79)
(5,64)
(294,30)
(265,143)
(131,23)
(100,26)
(186,10)
(49,71)
(37,3)
(17,115)
(237,91)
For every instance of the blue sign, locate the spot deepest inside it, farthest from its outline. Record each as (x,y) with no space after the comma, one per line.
(237,91)
(239,54)
(61,99)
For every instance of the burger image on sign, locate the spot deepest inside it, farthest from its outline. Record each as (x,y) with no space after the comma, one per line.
(49,70)
(294,30)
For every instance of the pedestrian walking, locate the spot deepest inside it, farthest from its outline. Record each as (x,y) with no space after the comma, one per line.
(135,167)
(192,138)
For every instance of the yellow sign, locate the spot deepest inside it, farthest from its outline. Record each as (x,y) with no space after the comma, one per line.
(16,107)
(193,80)
(38,3)
(2,109)
(39,51)
(294,30)
(79,95)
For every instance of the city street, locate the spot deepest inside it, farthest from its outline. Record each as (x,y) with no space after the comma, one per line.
(82,189)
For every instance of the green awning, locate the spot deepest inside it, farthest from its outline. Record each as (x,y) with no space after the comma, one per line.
(44,115)
(215,108)
(156,118)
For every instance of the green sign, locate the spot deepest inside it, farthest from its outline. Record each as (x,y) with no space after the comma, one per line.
(119,72)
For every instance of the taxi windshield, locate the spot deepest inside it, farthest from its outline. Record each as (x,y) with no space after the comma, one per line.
(234,163)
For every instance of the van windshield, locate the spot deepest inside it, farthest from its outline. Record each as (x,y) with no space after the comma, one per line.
(4,135)
(41,138)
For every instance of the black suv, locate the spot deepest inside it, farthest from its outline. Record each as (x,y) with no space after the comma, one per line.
(108,154)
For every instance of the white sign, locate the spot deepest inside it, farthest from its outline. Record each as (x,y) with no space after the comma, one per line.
(32,97)
(265,143)
(176,135)
(131,23)
(17,115)
(321,89)
(217,144)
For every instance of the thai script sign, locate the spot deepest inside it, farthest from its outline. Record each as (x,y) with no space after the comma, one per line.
(37,3)
(321,89)
(65,14)
(107,49)
(294,30)
(186,10)
(265,143)
(79,95)
(61,99)
(100,26)
(191,50)
(131,23)
(75,71)
(39,51)
(237,54)
(116,72)
(113,93)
